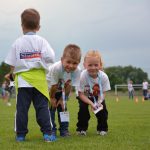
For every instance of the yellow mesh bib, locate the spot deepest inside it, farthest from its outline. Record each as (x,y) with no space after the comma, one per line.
(35,77)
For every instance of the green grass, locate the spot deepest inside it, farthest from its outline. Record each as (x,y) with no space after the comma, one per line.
(129,128)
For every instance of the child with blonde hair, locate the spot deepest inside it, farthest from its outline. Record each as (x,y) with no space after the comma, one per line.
(92,88)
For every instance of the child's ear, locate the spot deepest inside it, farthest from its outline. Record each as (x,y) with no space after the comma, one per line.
(38,28)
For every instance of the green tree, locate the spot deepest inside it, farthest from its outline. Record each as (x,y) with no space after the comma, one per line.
(120,75)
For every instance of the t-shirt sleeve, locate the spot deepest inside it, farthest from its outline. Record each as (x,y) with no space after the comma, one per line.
(11,56)
(48,54)
(76,78)
(105,83)
(53,75)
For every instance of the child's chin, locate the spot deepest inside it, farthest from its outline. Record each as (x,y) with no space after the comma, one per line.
(67,70)
(93,75)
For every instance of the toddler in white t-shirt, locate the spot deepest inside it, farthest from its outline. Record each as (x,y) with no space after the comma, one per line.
(91,91)
(62,76)
(29,57)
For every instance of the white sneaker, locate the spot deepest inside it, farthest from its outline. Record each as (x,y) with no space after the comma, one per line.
(102,133)
(81,133)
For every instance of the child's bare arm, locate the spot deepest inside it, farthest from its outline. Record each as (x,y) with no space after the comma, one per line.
(86,100)
(53,90)
(61,103)
(7,77)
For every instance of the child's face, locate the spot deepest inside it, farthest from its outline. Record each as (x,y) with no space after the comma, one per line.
(92,64)
(69,64)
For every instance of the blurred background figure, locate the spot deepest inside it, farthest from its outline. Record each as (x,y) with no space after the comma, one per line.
(5,93)
(130,89)
(145,89)
(8,88)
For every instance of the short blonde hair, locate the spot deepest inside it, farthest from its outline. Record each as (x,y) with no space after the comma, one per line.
(73,51)
(94,53)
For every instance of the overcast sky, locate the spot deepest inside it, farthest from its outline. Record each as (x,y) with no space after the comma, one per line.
(119,29)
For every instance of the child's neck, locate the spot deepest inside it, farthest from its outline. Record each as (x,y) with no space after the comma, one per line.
(29,32)
(94,77)
(25,31)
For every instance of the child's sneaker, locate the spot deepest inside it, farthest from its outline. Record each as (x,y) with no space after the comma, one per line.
(81,133)
(102,133)
(49,138)
(78,132)
(53,137)
(65,134)
(20,138)
(53,133)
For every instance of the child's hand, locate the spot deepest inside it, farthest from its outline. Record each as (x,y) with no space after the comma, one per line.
(99,104)
(61,103)
(93,106)
(53,103)
(96,106)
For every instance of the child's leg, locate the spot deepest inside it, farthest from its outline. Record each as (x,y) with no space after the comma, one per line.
(129,94)
(132,94)
(9,94)
(52,113)
(43,117)
(83,116)
(102,117)
(23,103)
(63,125)
(4,96)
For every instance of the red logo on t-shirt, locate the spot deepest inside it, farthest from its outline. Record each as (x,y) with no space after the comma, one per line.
(30,55)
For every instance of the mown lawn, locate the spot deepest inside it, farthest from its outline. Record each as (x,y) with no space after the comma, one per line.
(129,128)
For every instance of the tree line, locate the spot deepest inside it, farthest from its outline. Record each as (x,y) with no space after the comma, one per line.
(120,75)
(116,74)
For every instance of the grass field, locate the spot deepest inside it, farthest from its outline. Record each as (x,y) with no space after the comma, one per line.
(129,128)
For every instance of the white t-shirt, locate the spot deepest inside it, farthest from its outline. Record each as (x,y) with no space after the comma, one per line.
(57,75)
(94,84)
(145,85)
(28,52)
(130,87)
